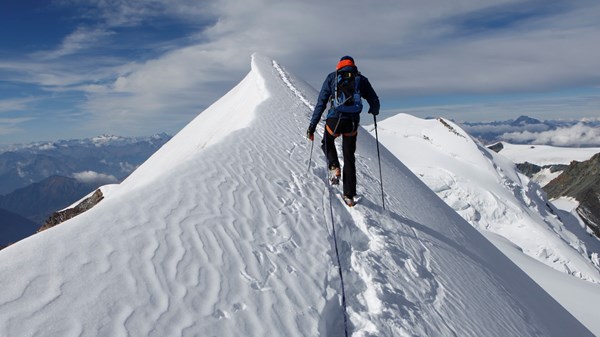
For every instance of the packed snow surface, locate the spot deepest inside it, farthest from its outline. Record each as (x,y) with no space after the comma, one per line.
(545,154)
(227,231)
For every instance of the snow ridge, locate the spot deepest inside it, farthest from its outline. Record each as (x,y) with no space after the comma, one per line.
(296,92)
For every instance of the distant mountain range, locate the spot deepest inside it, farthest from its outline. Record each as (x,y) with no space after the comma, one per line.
(14,227)
(40,178)
(99,158)
(38,200)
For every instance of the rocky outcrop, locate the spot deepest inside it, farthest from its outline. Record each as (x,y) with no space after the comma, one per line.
(452,129)
(581,180)
(577,179)
(496,147)
(530,169)
(62,216)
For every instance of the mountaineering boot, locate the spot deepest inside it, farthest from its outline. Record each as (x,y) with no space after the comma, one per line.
(349,201)
(334,175)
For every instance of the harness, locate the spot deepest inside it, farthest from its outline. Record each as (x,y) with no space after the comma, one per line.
(336,134)
(345,134)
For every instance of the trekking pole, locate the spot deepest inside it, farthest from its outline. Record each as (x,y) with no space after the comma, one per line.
(312,144)
(379,160)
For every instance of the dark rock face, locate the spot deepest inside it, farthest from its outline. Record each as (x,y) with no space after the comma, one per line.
(589,210)
(577,179)
(581,180)
(62,216)
(496,147)
(530,169)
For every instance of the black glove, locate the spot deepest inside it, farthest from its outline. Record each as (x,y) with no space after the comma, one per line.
(374,112)
(310,133)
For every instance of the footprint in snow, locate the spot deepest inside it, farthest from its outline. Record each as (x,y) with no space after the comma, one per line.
(220,314)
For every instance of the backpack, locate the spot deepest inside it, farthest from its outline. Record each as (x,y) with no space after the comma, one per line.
(346,97)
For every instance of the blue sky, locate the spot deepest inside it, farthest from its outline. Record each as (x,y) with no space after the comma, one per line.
(80,68)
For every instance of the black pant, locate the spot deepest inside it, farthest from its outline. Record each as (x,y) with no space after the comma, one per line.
(348,129)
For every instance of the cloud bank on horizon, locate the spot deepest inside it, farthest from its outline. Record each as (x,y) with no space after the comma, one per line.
(132,68)
(570,136)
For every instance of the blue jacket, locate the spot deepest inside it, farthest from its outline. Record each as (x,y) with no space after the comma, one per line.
(327,90)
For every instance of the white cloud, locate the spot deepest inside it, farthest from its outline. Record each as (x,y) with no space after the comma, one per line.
(119,13)
(577,135)
(89,177)
(406,48)
(555,108)
(80,40)
(10,126)
(14,104)
(57,75)
(505,128)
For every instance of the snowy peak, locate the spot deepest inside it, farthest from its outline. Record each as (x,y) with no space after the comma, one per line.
(232,112)
(524,120)
(445,142)
(228,231)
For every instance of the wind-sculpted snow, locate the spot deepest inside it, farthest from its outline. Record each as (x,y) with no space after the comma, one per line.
(224,232)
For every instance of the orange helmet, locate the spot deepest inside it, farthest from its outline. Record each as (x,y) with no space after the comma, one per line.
(344,62)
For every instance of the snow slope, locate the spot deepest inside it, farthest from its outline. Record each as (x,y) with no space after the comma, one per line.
(580,297)
(546,155)
(224,232)
(566,206)
(487,190)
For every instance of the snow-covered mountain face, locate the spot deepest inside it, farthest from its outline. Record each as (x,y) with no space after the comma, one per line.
(569,177)
(487,190)
(581,181)
(227,231)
